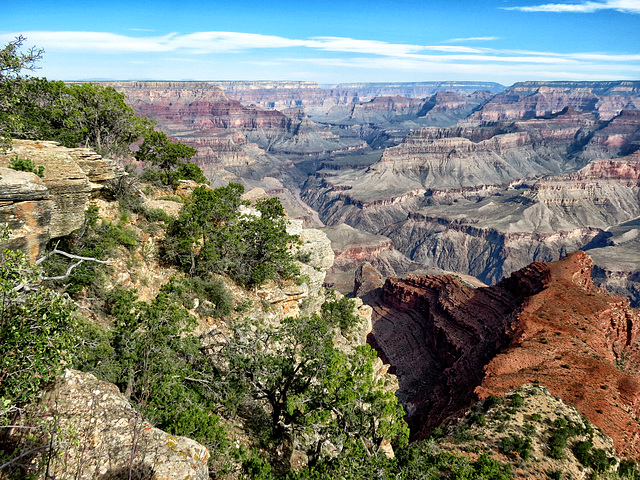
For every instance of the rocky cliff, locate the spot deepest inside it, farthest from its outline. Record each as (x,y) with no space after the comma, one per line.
(546,324)
(39,209)
(199,110)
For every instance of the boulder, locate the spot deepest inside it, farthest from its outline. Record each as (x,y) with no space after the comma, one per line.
(99,435)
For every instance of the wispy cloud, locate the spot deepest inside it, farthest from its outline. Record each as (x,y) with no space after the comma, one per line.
(208,51)
(471,39)
(223,42)
(626,6)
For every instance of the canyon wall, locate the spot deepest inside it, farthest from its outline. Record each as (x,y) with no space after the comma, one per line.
(487,198)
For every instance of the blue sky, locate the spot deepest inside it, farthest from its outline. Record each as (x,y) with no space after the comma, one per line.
(330,41)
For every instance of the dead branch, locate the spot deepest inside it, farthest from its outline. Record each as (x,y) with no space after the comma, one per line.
(71,267)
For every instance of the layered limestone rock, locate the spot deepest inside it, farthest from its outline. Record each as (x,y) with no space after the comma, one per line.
(352,247)
(197,112)
(531,99)
(26,208)
(99,435)
(311,96)
(488,200)
(450,344)
(38,209)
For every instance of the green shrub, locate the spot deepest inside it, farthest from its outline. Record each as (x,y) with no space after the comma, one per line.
(628,469)
(155,215)
(191,171)
(515,443)
(26,165)
(559,435)
(340,312)
(212,236)
(478,419)
(490,402)
(215,292)
(37,329)
(516,402)
(582,452)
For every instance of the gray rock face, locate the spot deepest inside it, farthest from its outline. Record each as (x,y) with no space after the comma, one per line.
(38,209)
(102,437)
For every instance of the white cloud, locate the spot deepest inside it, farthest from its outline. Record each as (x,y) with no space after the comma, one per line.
(201,52)
(626,6)
(472,39)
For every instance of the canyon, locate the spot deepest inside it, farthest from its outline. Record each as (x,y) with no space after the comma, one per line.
(448,341)
(473,178)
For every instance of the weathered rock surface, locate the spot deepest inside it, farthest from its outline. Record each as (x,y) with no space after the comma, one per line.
(450,344)
(99,435)
(26,207)
(38,209)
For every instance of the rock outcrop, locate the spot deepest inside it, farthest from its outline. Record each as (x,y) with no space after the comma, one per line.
(451,344)
(533,414)
(97,434)
(38,209)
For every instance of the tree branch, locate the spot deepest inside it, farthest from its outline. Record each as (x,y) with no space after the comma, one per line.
(71,267)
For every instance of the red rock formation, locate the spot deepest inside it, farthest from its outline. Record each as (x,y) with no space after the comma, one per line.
(547,324)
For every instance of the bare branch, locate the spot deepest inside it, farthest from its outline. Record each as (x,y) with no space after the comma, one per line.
(71,267)
(72,256)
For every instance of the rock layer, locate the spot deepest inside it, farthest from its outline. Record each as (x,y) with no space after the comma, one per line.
(38,209)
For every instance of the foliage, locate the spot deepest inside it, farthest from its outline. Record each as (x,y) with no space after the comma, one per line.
(26,165)
(516,401)
(191,171)
(490,402)
(310,390)
(36,331)
(418,461)
(559,435)
(86,114)
(217,300)
(157,148)
(13,61)
(155,360)
(595,458)
(98,239)
(339,312)
(515,443)
(628,469)
(212,236)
